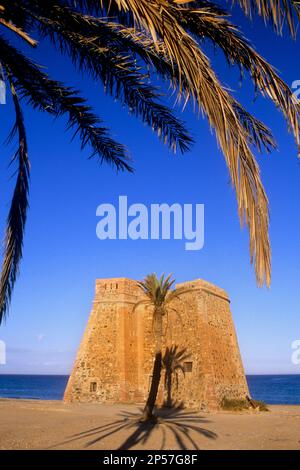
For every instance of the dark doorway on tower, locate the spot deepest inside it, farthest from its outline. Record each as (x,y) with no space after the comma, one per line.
(93,386)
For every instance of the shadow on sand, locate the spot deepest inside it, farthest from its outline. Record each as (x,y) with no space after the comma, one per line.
(176,423)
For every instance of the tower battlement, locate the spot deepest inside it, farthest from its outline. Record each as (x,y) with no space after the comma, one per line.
(116,289)
(200,284)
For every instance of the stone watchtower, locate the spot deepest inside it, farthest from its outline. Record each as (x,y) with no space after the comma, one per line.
(115,359)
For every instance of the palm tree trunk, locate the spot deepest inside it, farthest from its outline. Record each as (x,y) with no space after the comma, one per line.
(148,410)
(156,374)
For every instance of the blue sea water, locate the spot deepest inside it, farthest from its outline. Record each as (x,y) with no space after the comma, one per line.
(42,387)
(273,389)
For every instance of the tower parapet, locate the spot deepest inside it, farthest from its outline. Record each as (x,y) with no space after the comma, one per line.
(117,289)
(200,284)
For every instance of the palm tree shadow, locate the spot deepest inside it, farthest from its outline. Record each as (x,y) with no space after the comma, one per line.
(172,363)
(181,425)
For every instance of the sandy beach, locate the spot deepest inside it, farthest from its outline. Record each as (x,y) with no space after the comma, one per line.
(36,424)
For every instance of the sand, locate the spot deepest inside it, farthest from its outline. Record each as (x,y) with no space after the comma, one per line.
(35,424)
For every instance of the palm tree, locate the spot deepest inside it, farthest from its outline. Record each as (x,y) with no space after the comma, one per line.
(158,296)
(121,43)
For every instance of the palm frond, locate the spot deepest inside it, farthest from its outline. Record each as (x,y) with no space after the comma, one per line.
(138,43)
(258,133)
(156,289)
(12,13)
(93,49)
(276,12)
(19,32)
(18,210)
(194,77)
(211,22)
(55,98)
(121,42)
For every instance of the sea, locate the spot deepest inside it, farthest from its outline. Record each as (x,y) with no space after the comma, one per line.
(272,389)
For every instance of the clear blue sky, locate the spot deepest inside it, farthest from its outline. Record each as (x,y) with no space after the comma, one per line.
(63,257)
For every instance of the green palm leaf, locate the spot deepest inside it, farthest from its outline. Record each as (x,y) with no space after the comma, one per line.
(123,43)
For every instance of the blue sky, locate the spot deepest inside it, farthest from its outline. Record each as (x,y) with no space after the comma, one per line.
(63,257)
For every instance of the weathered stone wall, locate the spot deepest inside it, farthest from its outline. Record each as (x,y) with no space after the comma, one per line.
(115,359)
